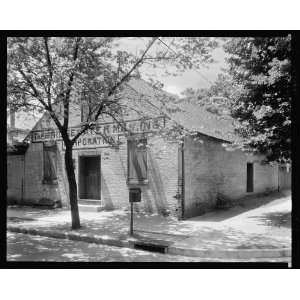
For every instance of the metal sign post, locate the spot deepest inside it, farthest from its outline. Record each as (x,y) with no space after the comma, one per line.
(134,196)
(131,218)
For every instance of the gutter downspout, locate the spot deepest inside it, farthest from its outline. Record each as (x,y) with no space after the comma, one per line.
(278,178)
(182,180)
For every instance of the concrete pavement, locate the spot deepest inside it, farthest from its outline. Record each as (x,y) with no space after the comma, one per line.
(260,228)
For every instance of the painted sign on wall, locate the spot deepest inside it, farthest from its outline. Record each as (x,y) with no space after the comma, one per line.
(90,141)
(102,135)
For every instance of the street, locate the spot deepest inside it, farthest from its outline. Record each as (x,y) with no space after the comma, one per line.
(25,247)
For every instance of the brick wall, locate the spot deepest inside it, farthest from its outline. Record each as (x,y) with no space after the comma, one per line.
(285,177)
(157,195)
(210,169)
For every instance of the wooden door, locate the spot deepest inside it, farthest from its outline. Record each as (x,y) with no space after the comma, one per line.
(90,177)
(249,177)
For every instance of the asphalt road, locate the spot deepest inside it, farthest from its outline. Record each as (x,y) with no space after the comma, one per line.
(26,247)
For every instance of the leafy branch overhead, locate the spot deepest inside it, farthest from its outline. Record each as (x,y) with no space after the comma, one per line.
(255,90)
(45,73)
(262,66)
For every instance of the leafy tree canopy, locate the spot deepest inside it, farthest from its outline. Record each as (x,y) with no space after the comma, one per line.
(217,98)
(262,66)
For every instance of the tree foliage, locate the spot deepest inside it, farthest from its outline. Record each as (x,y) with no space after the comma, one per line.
(217,98)
(262,66)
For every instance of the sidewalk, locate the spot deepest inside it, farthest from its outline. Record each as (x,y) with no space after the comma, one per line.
(250,231)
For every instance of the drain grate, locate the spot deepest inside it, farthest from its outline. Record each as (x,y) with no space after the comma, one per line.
(151,247)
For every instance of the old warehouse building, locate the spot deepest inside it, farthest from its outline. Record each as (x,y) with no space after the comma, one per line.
(182,178)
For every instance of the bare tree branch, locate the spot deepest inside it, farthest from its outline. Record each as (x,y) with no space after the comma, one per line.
(84,129)
(127,75)
(35,92)
(137,63)
(49,64)
(69,86)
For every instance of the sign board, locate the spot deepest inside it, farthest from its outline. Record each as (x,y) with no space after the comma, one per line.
(135,195)
(103,134)
(94,141)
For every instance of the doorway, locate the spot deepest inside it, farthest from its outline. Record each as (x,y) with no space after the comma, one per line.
(249,177)
(89,177)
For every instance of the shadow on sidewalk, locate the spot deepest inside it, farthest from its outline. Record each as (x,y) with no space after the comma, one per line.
(277,219)
(243,205)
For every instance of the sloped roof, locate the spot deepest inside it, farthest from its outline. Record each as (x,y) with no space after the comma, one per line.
(197,118)
(140,95)
(190,116)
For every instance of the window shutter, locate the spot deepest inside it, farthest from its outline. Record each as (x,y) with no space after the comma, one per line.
(132,160)
(137,160)
(84,110)
(142,161)
(47,165)
(50,163)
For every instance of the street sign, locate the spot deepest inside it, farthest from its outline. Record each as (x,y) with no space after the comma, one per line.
(134,196)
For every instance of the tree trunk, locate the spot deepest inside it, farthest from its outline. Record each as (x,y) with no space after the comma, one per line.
(72,187)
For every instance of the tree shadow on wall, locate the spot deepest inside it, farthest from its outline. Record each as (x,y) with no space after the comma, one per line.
(158,191)
(107,200)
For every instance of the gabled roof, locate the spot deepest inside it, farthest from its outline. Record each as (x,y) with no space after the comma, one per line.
(197,118)
(190,116)
(147,99)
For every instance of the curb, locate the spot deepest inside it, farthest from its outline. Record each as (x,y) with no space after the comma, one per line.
(231,253)
(74,236)
(173,250)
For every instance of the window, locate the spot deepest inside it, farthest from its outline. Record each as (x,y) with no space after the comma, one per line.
(88,106)
(84,111)
(50,165)
(249,177)
(137,161)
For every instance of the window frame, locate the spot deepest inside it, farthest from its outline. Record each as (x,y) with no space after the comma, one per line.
(250,181)
(50,181)
(134,181)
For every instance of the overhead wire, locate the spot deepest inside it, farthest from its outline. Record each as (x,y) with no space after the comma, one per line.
(194,69)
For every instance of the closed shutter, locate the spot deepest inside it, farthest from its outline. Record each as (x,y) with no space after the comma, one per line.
(50,163)
(137,160)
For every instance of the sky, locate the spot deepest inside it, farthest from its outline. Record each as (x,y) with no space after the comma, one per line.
(189,79)
(193,79)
